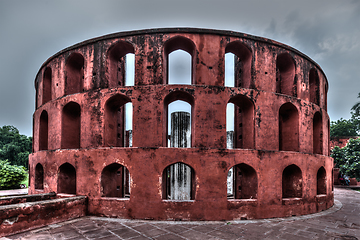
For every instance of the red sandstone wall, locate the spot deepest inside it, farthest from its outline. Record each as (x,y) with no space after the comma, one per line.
(148,157)
(210,168)
(148,132)
(339,141)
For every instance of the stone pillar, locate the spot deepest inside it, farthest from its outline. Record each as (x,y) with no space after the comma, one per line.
(180,130)
(230,139)
(180,174)
(230,183)
(128,138)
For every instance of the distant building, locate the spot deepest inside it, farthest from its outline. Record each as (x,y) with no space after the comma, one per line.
(340,141)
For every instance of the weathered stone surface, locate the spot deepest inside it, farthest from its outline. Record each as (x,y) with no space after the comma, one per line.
(20,217)
(27,198)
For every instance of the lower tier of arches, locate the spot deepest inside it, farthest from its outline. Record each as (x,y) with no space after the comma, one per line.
(219,184)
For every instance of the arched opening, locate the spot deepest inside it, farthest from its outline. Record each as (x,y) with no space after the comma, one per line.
(288,128)
(325,95)
(328,138)
(70,134)
(43,131)
(179,64)
(285,75)
(230,69)
(178,182)
(115,181)
(321,181)
(74,74)
(230,125)
(179,124)
(239,75)
(178,113)
(118,122)
(67,179)
(292,182)
(47,85)
(314,85)
(240,123)
(179,67)
(121,64)
(39,176)
(317,134)
(242,182)
(130,69)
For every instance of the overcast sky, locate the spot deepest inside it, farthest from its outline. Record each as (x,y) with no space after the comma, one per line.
(31,31)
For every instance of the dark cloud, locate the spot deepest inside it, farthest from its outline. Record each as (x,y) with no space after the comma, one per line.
(31,31)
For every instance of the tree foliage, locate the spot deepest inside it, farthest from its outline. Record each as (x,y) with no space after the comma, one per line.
(355,114)
(348,158)
(10,175)
(338,154)
(343,128)
(347,128)
(14,147)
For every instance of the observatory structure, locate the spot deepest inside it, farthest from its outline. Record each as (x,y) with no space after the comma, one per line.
(243,134)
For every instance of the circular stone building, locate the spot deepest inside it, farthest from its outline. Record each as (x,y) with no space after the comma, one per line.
(183,124)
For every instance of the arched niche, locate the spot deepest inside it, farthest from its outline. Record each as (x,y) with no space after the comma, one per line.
(39,177)
(288,128)
(178,181)
(118,110)
(74,74)
(47,79)
(115,181)
(43,131)
(185,104)
(241,116)
(120,64)
(179,43)
(321,181)
(292,182)
(314,86)
(317,134)
(71,125)
(285,75)
(241,73)
(67,179)
(242,182)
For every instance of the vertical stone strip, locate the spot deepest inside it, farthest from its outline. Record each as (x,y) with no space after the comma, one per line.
(180,174)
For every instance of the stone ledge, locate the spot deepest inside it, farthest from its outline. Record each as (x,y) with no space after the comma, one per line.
(26,198)
(15,218)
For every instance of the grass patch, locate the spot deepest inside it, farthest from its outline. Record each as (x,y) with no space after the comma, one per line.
(26,181)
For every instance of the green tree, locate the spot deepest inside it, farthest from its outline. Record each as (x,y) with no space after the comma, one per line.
(338,154)
(343,128)
(355,114)
(14,147)
(10,175)
(352,159)
(356,107)
(348,158)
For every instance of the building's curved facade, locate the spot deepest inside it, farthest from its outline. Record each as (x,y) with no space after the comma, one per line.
(85,144)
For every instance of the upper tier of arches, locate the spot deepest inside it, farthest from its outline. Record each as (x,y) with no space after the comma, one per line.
(115,119)
(259,63)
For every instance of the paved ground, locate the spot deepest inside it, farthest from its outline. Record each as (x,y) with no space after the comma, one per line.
(15,192)
(340,222)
